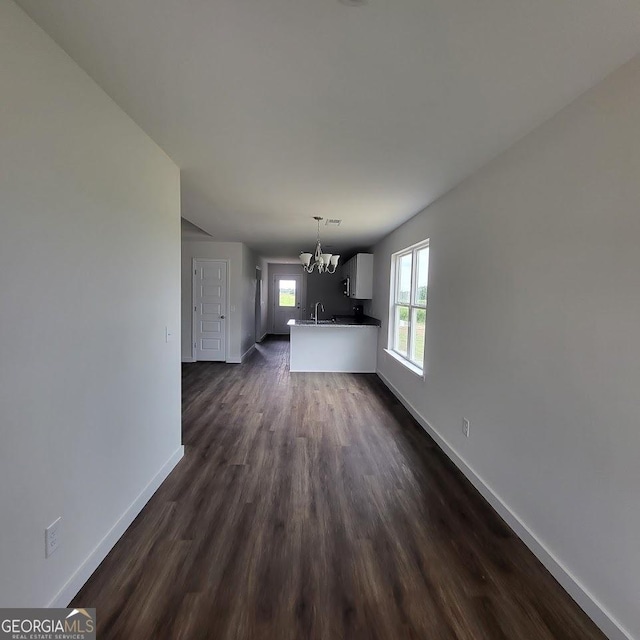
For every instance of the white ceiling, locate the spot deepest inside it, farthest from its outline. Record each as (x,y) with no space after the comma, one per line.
(277,110)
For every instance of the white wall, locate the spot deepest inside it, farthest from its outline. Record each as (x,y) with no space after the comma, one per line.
(533,335)
(89,278)
(249,264)
(264,311)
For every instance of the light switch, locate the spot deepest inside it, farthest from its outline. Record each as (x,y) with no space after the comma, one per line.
(169,334)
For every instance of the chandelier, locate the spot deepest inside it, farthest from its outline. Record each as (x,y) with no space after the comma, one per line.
(325,262)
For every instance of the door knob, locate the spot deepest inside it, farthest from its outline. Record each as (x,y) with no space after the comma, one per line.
(221,317)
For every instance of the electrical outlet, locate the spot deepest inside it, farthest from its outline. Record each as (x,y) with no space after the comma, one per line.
(465,427)
(51,537)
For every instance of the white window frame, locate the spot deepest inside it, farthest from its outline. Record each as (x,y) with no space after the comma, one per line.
(415,367)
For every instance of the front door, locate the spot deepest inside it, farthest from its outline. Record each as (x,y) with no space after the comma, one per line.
(209,310)
(286,301)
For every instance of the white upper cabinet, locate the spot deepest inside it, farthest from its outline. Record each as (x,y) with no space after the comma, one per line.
(359,270)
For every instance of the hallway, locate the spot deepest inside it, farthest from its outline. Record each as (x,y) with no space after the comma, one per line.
(312,506)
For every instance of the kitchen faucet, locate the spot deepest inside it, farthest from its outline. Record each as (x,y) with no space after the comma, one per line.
(315,315)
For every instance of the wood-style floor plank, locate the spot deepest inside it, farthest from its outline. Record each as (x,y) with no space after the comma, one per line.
(312,506)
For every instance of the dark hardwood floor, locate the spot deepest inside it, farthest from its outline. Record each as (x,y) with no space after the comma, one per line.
(312,506)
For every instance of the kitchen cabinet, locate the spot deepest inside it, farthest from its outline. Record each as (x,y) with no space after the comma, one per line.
(359,271)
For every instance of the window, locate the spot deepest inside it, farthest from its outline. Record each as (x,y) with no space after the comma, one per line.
(287,293)
(408,304)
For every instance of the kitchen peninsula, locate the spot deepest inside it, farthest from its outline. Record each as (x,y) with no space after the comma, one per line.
(344,345)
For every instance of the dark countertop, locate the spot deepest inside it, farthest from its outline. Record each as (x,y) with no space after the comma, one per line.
(338,321)
(349,320)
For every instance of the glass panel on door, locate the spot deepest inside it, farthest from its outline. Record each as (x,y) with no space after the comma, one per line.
(286,293)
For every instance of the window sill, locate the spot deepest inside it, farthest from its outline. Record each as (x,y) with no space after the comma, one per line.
(417,371)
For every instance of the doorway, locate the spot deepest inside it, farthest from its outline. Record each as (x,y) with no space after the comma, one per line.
(210,310)
(287,301)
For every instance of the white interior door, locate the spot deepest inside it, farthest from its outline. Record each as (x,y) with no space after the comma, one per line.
(210,310)
(287,299)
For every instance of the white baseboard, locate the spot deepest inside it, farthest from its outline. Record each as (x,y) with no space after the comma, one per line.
(262,337)
(189,359)
(84,571)
(600,616)
(248,352)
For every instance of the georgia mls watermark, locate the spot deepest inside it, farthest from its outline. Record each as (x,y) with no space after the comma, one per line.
(48,624)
